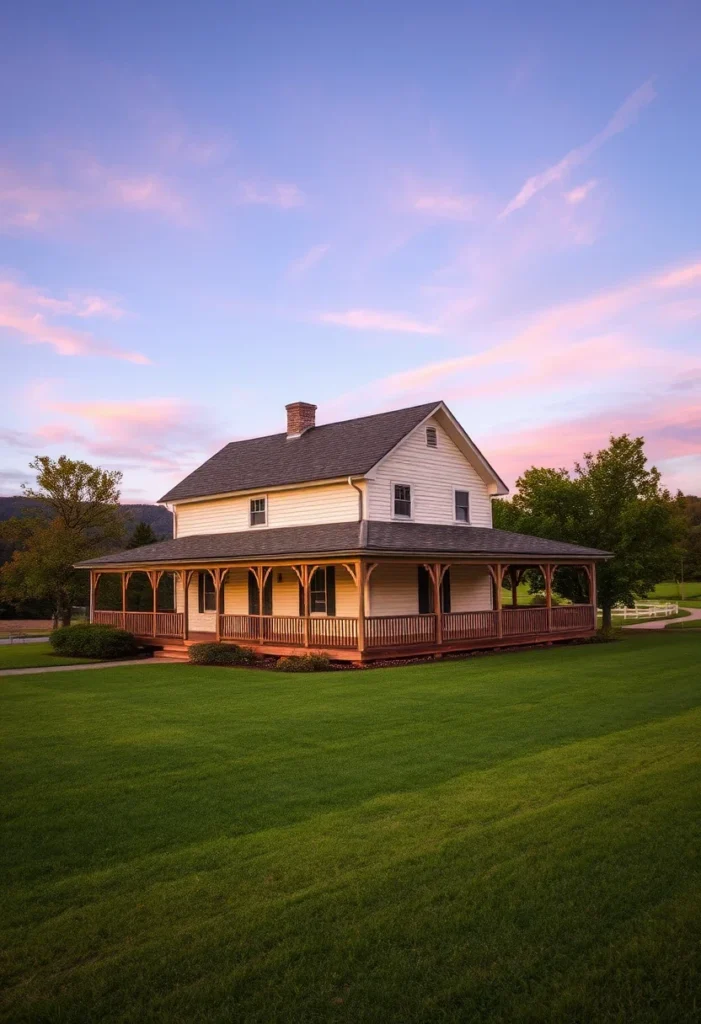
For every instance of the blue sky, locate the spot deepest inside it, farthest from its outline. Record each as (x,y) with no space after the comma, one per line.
(209,211)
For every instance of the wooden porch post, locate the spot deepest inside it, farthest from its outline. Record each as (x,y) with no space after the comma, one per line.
(305,603)
(154,577)
(91,608)
(547,571)
(125,584)
(216,576)
(360,583)
(592,593)
(185,577)
(500,625)
(437,576)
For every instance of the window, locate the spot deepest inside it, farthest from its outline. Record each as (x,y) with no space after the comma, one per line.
(402,501)
(425,585)
(206,593)
(253,597)
(322,592)
(258,511)
(431,437)
(462,506)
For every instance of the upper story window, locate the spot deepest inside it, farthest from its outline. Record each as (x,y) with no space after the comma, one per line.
(401,501)
(431,437)
(259,511)
(462,506)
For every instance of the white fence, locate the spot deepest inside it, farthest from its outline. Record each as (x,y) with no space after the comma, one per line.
(647,610)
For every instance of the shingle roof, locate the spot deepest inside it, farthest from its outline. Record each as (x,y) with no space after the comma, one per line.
(346,538)
(347,448)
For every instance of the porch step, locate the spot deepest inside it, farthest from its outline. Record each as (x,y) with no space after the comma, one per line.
(172,653)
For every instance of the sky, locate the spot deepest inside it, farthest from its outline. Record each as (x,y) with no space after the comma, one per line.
(210,210)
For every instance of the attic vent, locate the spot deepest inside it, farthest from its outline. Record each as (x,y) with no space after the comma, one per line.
(431,437)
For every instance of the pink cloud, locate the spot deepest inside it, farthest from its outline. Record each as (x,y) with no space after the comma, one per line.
(308,260)
(672,431)
(285,196)
(41,201)
(378,320)
(23,313)
(166,435)
(558,338)
(447,205)
(624,116)
(579,194)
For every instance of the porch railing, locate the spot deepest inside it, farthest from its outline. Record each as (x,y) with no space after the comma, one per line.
(470,625)
(573,616)
(333,632)
(517,621)
(391,630)
(380,630)
(141,623)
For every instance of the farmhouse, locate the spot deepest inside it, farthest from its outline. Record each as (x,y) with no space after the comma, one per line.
(366,538)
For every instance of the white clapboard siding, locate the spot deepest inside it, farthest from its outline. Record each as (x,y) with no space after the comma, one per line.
(394,589)
(332,503)
(433,473)
(470,588)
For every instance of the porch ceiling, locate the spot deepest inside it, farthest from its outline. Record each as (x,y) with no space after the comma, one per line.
(356,539)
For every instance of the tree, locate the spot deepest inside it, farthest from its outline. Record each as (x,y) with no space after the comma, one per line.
(83,520)
(142,534)
(613,502)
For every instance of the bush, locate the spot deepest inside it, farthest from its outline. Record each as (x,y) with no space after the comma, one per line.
(93,641)
(539,601)
(221,654)
(304,663)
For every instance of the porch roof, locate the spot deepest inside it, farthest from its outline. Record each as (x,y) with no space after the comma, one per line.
(355,538)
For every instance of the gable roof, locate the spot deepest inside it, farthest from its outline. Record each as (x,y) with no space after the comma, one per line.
(331,450)
(357,538)
(327,452)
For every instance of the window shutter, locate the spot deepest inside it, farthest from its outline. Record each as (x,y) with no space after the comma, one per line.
(253,603)
(221,595)
(301,598)
(425,591)
(445,592)
(200,592)
(330,589)
(268,595)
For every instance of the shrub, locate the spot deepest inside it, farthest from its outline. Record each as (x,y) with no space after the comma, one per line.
(304,663)
(93,641)
(221,654)
(539,601)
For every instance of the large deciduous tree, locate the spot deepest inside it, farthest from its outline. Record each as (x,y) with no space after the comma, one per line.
(613,501)
(81,518)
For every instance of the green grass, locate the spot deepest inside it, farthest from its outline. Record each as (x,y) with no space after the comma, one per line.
(503,839)
(672,591)
(694,624)
(18,655)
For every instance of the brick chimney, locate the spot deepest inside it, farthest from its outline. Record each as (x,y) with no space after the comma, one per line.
(300,417)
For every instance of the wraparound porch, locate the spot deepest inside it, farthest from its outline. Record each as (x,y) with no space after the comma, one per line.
(361,636)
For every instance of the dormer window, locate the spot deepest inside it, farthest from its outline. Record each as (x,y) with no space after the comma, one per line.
(431,437)
(401,501)
(259,511)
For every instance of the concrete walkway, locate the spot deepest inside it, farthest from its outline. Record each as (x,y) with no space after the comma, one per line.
(694,614)
(93,664)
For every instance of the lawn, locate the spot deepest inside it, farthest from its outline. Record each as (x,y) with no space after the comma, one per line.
(673,591)
(693,624)
(19,655)
(510,838)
